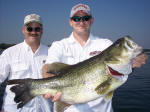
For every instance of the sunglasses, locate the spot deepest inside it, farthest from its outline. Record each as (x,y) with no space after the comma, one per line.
(36,29)
(78,18)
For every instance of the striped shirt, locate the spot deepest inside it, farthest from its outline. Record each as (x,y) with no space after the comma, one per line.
(19,62)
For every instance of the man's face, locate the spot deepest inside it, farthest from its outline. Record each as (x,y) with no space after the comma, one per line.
(82,26)
(32,33)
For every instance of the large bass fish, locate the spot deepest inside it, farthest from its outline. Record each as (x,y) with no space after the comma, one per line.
(85,81)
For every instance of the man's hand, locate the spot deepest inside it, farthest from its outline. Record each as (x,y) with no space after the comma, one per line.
(45,70)
(140,60)
(53,98)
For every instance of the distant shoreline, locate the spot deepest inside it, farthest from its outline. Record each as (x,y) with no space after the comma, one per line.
(4,46)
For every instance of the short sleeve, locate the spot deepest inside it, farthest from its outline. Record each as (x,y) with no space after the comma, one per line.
(54,53)
(4,66)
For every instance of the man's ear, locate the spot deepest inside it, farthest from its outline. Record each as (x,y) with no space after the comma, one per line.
(92,20)
(23,29)
(70,22)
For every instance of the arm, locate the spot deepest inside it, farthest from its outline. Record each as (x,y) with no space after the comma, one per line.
(4,66)
(54,54)
(45,69)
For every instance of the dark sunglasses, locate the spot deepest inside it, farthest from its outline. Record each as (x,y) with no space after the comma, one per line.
(36,29)
(78,18)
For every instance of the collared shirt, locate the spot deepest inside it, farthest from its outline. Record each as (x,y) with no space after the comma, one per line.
(19,62)
(69,51)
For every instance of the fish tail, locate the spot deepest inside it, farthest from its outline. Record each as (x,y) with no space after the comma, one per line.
(21,90)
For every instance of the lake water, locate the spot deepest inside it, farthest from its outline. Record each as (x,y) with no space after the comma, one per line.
(133,96)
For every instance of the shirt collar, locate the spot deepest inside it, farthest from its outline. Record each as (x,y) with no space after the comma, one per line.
(73,40)
(28,48)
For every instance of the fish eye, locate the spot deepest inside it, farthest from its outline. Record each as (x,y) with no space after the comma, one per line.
(131,44)
(128,45)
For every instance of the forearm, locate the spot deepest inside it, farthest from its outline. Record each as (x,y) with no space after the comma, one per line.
(46,74)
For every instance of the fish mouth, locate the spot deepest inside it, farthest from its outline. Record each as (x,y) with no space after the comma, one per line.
(114,72)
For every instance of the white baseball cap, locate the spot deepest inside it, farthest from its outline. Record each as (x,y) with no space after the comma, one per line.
(80,7)
(32,18)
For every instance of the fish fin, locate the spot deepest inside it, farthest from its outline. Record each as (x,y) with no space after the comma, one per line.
(60,106)
(21,90)
(109,96)
(56,67)
(103,87)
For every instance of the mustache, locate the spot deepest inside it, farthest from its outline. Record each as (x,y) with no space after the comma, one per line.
(34,35)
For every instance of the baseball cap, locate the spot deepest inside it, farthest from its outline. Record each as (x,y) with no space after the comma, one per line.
(32,18)
(80,7)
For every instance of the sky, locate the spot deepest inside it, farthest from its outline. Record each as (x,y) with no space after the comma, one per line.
(113,19)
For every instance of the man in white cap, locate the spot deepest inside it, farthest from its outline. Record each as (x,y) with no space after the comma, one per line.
(25,60)
(79,46)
